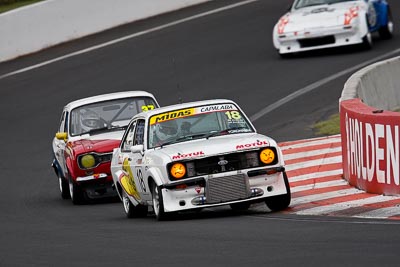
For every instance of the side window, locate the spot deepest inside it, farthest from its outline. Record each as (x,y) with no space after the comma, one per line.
(139,133)
(63,122)
(128,140)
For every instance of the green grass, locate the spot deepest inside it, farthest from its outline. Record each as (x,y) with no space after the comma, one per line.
(6,6)
(330,126)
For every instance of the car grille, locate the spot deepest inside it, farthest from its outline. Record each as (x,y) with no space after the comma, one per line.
(310,42)
(227,188)
(215,164)
(223,163)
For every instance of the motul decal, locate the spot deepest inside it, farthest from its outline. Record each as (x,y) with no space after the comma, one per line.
(251,145)
(188,155)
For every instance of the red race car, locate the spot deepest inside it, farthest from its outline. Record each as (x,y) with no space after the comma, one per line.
(90,129)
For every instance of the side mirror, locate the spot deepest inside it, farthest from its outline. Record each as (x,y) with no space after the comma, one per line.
(137,149)
(61,136)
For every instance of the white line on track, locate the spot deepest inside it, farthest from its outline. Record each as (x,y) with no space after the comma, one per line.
(96,47)
(317,84)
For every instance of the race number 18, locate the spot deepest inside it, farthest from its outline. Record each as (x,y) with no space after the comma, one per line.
(233,115)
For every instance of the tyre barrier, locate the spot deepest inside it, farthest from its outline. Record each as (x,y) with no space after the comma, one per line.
(369,130)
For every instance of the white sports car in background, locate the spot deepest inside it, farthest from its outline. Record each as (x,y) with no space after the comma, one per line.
(197,155)
(316,24)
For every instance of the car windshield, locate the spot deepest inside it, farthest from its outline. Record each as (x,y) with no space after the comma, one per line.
(197,122)
(306,3)
(107,115)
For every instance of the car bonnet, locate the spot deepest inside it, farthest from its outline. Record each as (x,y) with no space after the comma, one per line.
(215,145)
(319,16)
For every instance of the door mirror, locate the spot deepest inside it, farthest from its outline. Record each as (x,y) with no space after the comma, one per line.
(61,136)
(137,149)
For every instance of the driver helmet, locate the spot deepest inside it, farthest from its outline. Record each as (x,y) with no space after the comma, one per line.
(166,130)
(90,120)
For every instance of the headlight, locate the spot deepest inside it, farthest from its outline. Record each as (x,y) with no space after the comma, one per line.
(178,170)
(267,156)
(88,161)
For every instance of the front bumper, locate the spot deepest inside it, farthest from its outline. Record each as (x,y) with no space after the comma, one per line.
(97,185)
(224,189)
(319,38)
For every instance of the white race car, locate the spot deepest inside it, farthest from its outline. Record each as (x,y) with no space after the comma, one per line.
(317,24)
(197,155)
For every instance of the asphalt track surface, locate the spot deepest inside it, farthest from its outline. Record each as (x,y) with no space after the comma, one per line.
(224,55)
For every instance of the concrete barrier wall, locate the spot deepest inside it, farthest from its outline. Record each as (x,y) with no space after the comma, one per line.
(377,85)
(370,133)
(51,22)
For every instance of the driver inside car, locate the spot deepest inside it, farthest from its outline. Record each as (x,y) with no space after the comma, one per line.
(90,120)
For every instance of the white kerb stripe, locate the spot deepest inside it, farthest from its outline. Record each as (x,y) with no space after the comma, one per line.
(344,205)
(318,185)
(313,143)
(380,213)
(311,153)
(323,196)
(312,163)
(316,175)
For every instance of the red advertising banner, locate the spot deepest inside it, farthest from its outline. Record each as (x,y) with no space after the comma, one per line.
(370,147)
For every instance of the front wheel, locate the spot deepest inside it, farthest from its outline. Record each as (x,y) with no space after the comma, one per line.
(158,204)
(367,41)
(280,202)
(76,193)
(131,210)
(64,188)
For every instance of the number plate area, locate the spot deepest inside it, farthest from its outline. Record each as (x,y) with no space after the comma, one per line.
(227,188)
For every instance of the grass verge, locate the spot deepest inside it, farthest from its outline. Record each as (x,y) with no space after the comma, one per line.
(331,126)
(11,6)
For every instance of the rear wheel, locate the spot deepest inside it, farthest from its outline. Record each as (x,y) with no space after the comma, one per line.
(281,202)
(131,210)
(158,204)
(76,193)
(386,31)
(64,188)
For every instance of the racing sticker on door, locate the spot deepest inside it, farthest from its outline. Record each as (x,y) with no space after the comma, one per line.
(128,181)
(139,175)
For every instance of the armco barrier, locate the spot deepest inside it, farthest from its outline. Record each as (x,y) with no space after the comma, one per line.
(35,27)
(370,135)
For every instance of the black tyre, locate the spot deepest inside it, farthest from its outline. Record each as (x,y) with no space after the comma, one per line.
(76,193)
(367,41)
(386,31)
(64,187)
(131,210)
(243,206)
(281,202)
(158,204)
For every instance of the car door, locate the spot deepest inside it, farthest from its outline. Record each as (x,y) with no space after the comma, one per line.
(59,145)
(137,161)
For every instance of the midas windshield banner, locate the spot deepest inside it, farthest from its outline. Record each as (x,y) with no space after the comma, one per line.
(181,113)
